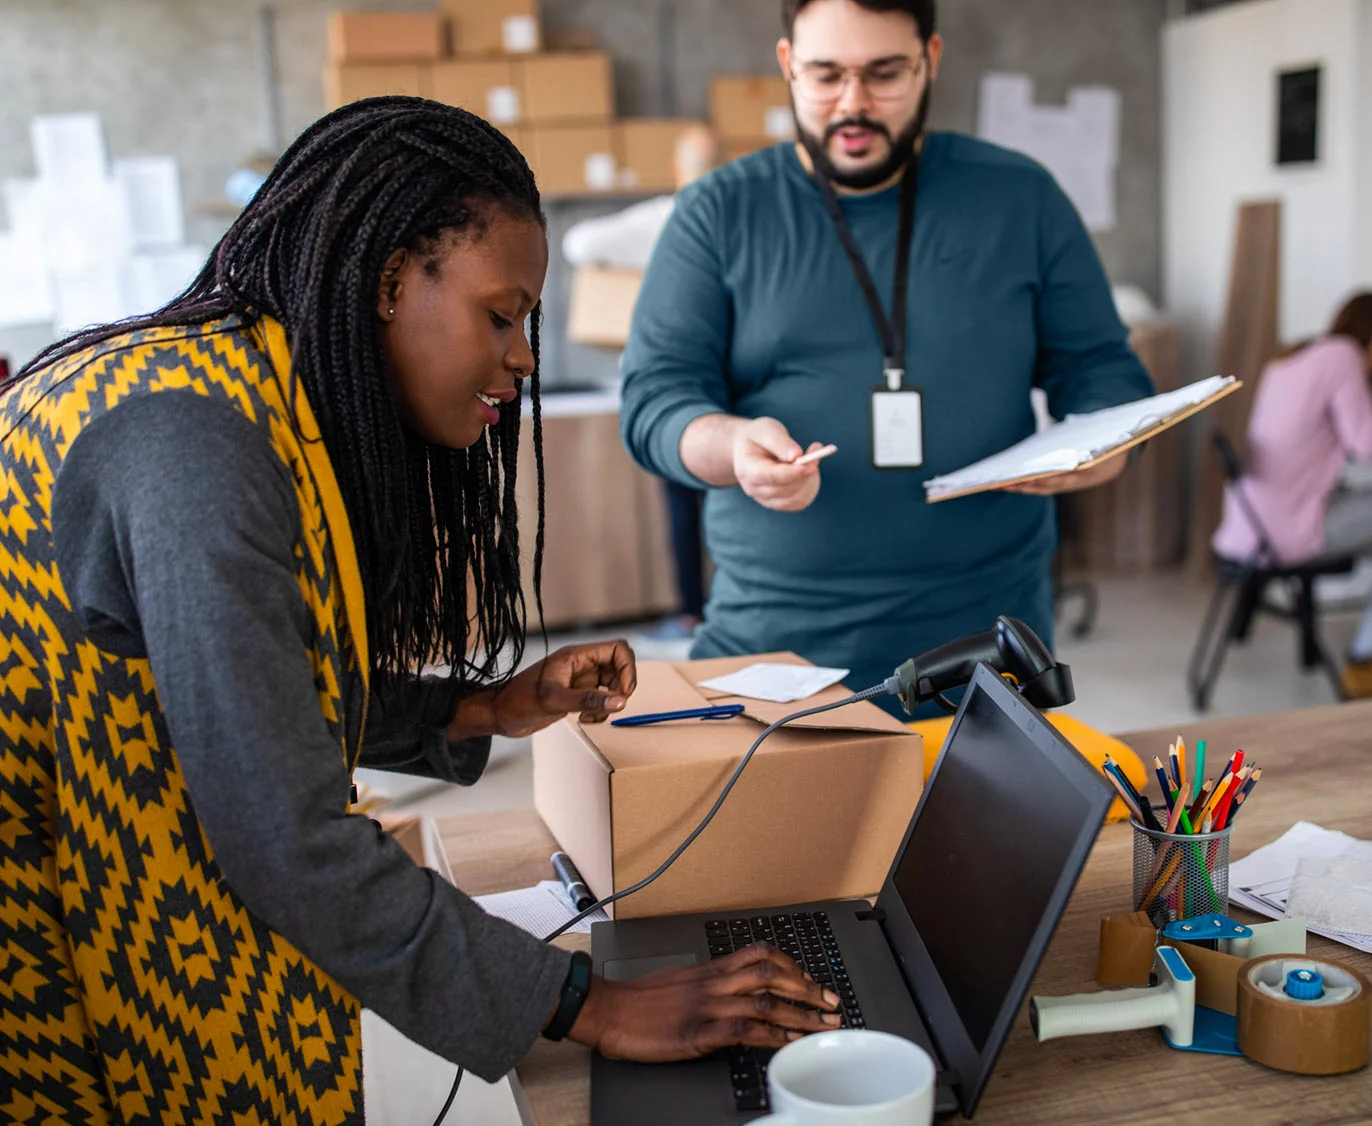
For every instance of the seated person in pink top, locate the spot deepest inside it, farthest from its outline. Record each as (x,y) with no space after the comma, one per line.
(1311,416)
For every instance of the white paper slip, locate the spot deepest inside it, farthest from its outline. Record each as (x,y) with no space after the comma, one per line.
(1076,440)
(540,910)
(1261,881)
(781,684)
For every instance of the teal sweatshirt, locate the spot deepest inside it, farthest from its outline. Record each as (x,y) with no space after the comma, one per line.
(751,308)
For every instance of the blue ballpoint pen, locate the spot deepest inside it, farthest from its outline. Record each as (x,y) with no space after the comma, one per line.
(723,711)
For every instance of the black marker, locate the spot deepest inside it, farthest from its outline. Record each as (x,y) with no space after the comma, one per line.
(577,891)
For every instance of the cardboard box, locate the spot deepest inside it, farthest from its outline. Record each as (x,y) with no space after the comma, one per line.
(735,147)
(494,27)
(384,37)
(574,86)
(487,87)
(602,305)
(573,159)
(347,82)
(818,814)
(647,152)
(750,108)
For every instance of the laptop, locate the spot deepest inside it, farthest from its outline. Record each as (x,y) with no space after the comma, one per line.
(946,956)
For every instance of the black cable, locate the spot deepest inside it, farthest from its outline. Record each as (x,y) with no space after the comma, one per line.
(889,687)
(442,1114)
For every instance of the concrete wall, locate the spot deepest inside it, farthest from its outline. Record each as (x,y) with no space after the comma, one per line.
(182,77)
(1219,121)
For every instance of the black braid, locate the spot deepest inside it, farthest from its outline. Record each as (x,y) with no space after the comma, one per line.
(309,249)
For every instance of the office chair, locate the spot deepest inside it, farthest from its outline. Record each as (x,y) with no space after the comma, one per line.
(1248,580)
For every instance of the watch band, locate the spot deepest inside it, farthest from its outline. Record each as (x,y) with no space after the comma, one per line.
(574,991)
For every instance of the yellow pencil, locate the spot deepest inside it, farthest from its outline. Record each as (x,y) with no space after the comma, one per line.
(1216,794)
(1181,759)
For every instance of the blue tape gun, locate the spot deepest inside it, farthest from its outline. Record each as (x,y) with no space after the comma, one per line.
(723,711)
(1205,928)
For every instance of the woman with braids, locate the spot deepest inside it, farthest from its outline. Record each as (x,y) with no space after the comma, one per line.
(229,532)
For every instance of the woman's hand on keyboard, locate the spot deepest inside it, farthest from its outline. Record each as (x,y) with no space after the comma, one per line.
(677,1014)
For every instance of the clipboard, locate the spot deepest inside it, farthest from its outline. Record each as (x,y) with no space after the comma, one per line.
(1167,423)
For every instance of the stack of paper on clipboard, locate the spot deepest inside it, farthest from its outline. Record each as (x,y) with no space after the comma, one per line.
(1080,441)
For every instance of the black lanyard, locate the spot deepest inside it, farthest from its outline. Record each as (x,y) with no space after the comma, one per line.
(890,329)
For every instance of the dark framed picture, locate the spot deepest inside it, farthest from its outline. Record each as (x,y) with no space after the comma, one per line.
(1298,116)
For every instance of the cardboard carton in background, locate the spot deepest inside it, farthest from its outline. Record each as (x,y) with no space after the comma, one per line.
(347,82)
(378,37)
(752,108)
(818,814)
(647,152)
(571,86)
(602,305)
(494,27)
(488,88)
(573,160)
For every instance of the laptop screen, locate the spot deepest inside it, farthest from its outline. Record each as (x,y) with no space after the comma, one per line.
(1002,831)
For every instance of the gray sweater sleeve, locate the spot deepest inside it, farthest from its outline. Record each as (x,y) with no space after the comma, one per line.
(407,732)
(174,524)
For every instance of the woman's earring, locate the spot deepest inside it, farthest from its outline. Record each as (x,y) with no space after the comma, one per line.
(391,311)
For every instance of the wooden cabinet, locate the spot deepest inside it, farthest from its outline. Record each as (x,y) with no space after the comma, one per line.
(1138,521)
(607,555)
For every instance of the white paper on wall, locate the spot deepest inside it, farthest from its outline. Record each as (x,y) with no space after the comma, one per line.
(68,148)
(152,191)
(1079,142)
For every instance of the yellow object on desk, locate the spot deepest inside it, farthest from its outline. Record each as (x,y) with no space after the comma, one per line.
(1093,745)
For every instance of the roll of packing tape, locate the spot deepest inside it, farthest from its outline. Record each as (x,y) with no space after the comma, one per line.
(1303,1015)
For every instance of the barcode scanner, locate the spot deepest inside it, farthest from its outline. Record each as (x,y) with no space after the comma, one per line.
(1010,647)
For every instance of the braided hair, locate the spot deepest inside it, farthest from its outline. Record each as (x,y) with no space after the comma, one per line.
(435,528)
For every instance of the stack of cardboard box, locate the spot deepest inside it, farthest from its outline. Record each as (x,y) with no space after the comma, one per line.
(487,56)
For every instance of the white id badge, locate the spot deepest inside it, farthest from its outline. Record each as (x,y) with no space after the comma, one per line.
(897,428)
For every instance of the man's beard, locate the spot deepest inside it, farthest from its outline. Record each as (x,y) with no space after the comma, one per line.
(901,149)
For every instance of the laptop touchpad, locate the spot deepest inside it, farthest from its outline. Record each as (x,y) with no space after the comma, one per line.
(629,969)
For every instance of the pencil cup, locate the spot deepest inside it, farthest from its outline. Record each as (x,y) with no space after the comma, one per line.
(1180,875)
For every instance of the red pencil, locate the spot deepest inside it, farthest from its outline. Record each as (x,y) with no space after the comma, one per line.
(1223,806)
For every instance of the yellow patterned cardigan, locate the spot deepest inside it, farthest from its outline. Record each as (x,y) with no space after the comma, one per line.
(134,984)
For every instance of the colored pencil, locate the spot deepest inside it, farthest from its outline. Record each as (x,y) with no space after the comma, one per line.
(1181,761)
(1216,797)
(1179,809)
(1222,809)
(1124,796)
(1118,771)
(1200,764)
(1174,767)
(1163,782)
(1194,813)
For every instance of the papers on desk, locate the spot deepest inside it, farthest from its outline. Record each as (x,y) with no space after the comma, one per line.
(540,910)
(781,684)
(1262,880)
(1080,440)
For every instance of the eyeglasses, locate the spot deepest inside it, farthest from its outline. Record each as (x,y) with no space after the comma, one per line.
(886,81)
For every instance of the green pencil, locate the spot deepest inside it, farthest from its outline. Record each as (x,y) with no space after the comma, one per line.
(1200,765)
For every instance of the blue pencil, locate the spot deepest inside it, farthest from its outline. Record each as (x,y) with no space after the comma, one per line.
(1164,783)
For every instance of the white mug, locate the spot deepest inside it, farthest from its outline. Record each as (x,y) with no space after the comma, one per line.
(848,1076)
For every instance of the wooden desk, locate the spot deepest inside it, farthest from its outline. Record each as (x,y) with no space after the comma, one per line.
(1317,766)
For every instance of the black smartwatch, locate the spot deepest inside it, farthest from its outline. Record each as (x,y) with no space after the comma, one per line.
(574,991)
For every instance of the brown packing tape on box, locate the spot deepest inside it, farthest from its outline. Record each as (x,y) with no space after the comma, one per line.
(1304,1037)
(1125,956)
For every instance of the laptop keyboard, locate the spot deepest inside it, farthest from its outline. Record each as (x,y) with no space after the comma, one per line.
(808,940)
